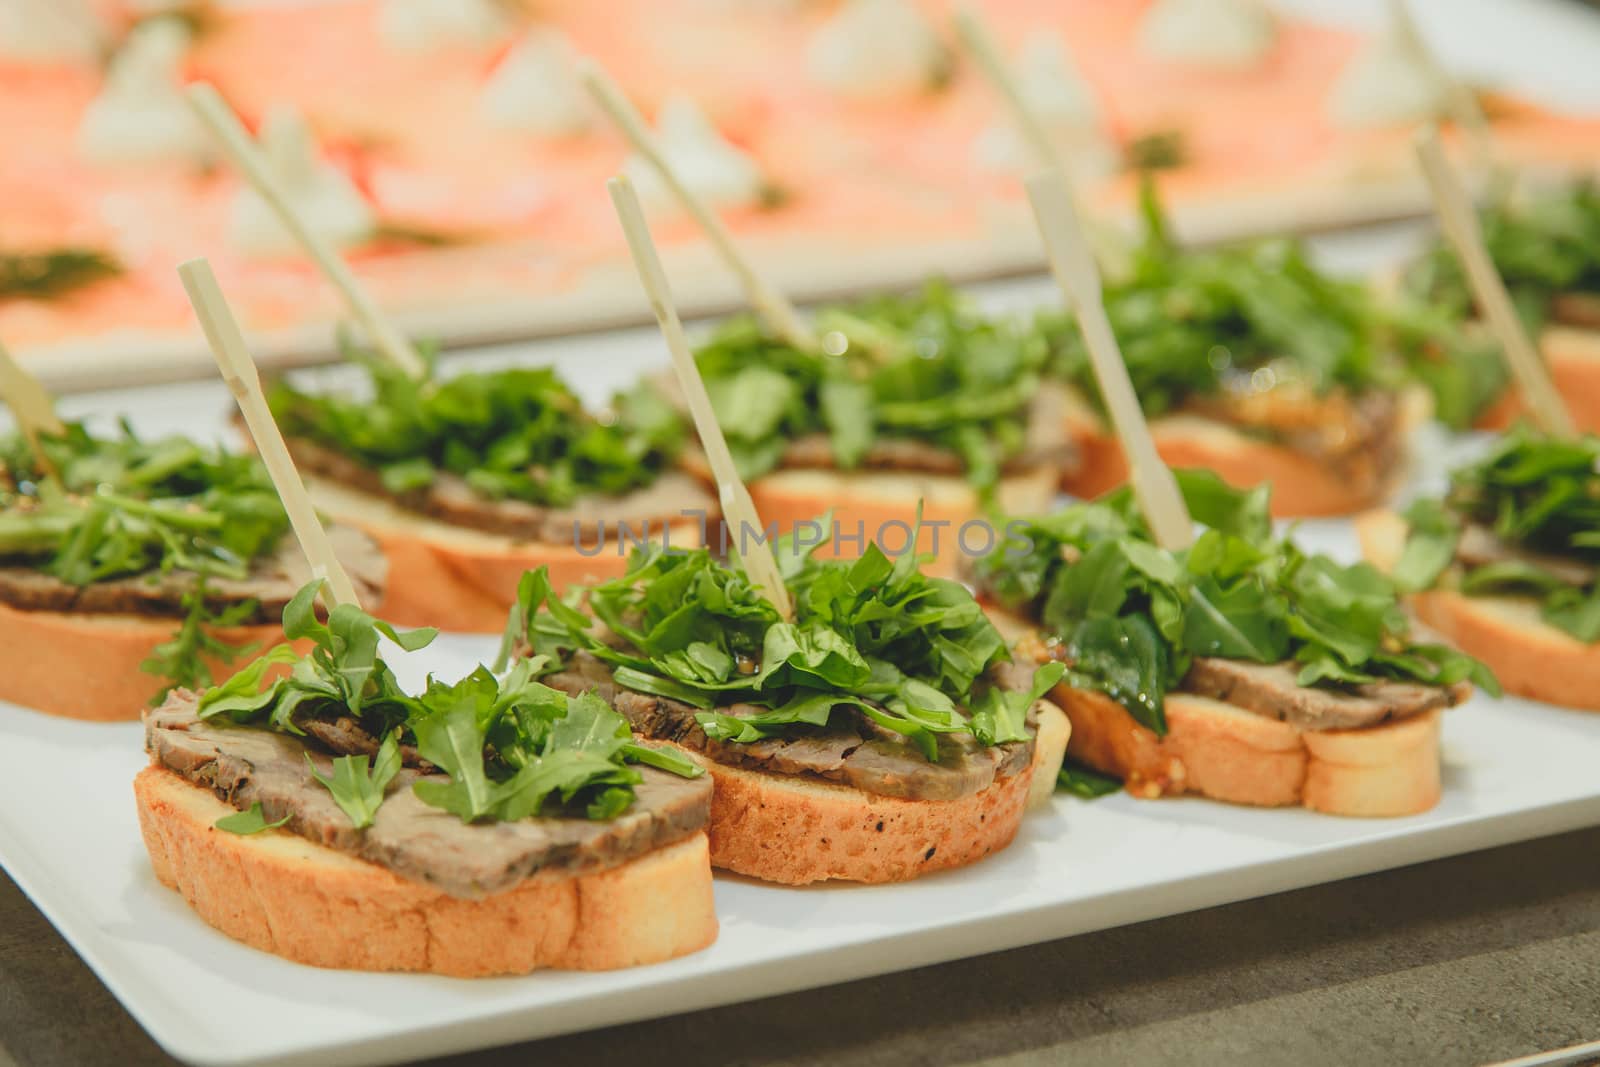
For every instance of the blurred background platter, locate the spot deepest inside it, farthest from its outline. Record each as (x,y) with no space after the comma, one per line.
(486,217)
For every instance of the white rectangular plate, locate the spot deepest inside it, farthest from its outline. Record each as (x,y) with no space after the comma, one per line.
(69,837)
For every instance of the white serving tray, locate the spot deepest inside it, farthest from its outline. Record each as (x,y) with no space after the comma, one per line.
(69,837)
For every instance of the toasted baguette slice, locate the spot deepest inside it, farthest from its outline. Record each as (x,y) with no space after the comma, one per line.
(1302,486)
(1223,752)
(1530,657)
(882,506)
(794,831)
(465,580)
(86,666)
(278,892)
(1573,356)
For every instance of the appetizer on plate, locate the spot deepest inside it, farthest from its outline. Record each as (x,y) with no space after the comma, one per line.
(129,566)
(915,402)
(469,481)
(1240,669)
(1505,564)
(1251,363)
(879,736)
(485,826)
(1546,245)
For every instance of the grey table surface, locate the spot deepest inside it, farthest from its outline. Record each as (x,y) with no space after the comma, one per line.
(1461,961)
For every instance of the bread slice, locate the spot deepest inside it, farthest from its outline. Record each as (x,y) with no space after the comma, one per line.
(794,831)
(1573,355)
(86,666)
(1530,657)
(464,580)
(1302,486)
(1216,750)
(882,505)
(283,894)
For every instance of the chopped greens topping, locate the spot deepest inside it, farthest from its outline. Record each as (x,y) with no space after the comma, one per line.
(98,508)
(1539,498)
(45,275)
(1239,321)
(906,651)
(1545,246)
(1130,617)
(1082,782)
(925,367)
(514,434)
(509,748)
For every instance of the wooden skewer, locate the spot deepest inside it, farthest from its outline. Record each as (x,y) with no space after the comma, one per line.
(239,372)
(980,41)
(236,141)
(1462,104)
(769,302)
(1459,219)
(737,508)
(30,404)
(1075,271)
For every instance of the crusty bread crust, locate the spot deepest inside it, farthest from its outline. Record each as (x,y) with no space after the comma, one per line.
(86,666)
(1302,486)
(1530,657)
(1223,752)
(874,501)
(794,831)
(283,894)
(1573,356)
(464,580)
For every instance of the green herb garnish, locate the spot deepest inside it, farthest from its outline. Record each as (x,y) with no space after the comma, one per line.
(45,275)
(184,659)
(1131,617)
(509,748)
(249,822)
(516,434)
(877,636)
(1539,498)
(1545,246)
(926,368)
(1080,781)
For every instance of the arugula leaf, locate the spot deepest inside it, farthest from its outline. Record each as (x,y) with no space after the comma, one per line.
(1080,781)
(1001,715)
(183,662)
(358,793)
(248,822)
(452,739)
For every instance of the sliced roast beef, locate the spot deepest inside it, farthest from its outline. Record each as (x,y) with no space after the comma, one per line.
(245,766)
(272,582)
(1270,689)
(852,750)
(1359,436)
(1580,309)
(1479,546)
(450,499)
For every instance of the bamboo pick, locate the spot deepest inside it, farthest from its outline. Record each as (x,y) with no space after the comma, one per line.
(239,372)
(737,508)
(1462,104)
(236,141)
(30,404)
(1076,274)
(1459,219)
(980,41)
(768,301)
